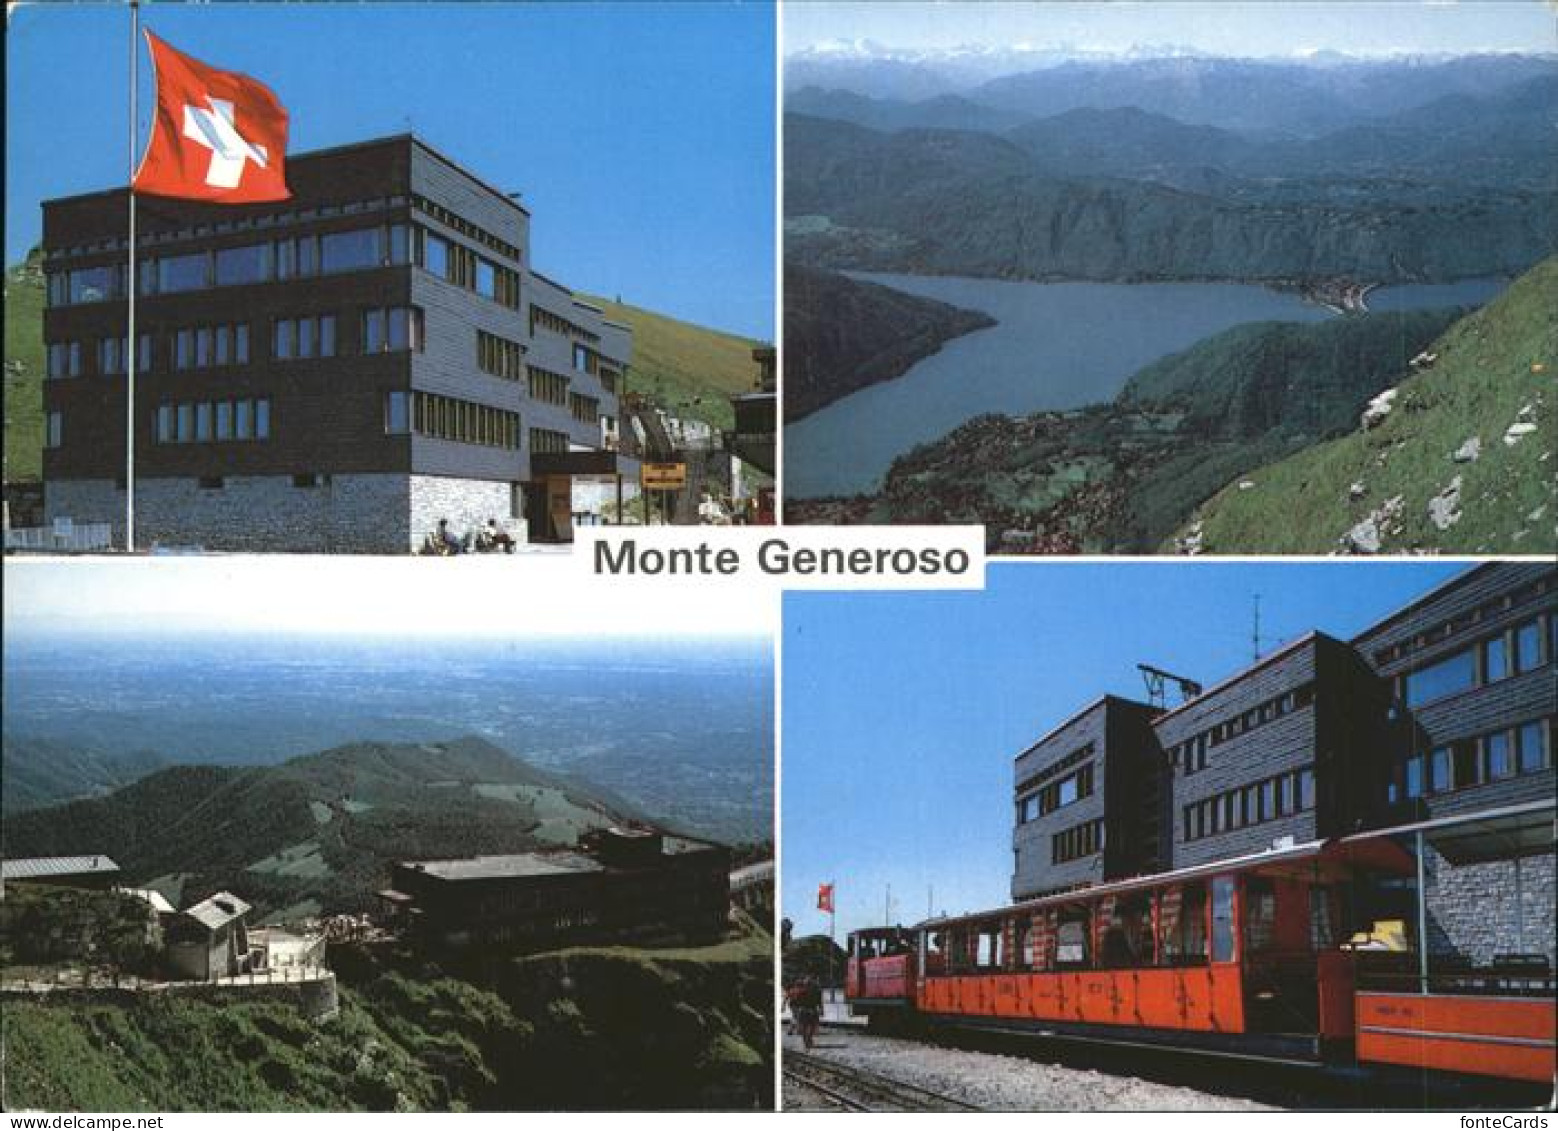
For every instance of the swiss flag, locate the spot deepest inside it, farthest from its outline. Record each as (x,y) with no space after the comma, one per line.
(218,135)
(825,898)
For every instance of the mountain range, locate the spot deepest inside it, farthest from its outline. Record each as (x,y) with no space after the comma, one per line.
(316,833)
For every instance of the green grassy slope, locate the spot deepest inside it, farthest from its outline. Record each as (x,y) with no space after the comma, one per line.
(610,1028)
(690,369)
(24,372)
(1495,369)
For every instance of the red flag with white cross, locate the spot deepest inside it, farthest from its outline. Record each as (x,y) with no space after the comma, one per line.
(218,135)
(825,898)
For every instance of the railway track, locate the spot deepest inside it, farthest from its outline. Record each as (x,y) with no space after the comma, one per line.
(859,1090)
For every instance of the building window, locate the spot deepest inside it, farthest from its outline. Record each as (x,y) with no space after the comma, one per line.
(212,483)
(586,410)
(54,430)
(1501,763)
(499,356)
(548,386)
(1528,646)
(350,251)
(392,329)
(86,284)
(238,265)
(313,336)
(206,421)
(308,479)
(435,255)
(544,440)
(1448,676)
(1085,839)
(397,412)
(1535,742)
(464,422)
(1495,659)
(486,279)
(64,359)
(183,273)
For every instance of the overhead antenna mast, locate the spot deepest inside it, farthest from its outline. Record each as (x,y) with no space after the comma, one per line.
(1157,679)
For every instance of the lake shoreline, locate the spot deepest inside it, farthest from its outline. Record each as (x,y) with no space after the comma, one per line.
(1021,365)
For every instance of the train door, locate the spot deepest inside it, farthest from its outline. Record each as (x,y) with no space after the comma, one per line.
(1227,1001)
(1280,987)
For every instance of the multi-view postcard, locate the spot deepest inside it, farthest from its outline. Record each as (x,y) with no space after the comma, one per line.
(899,477)
(1174,278)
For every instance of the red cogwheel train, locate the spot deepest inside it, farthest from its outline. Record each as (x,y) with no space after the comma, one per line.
(1307,951)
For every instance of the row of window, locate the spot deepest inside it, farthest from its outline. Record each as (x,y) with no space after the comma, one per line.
(1511,652)
(1190,755)
(310,336)
(585,409)
(205,422)
(1059,766)
(499,356)
(1078,841)
(1057,794)
(238,222)
(545,319)
(448,418)
(1524,749)
(460,224)
(544,440)
(358,249)
(1182,925)
(1254,804)
(1461,622)
(548,386)
(458,264)
(385,329)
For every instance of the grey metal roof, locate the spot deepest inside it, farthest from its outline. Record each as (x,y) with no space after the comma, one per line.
(158,901)
(512,866)
(49,867)
(218,911)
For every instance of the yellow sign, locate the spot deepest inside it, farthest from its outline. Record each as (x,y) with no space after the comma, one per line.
(663,476)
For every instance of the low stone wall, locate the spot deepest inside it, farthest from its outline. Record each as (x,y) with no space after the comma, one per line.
(316,998)
(364,514)
(1473,911)
(466,503)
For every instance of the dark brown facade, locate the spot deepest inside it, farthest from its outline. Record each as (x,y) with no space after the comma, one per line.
(618,884)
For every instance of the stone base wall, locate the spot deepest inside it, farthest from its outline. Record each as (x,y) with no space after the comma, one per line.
(466,503)
(343,514)
(1473,910)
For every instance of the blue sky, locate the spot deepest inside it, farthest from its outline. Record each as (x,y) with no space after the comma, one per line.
(1247,29)
(640,135)
(903,711)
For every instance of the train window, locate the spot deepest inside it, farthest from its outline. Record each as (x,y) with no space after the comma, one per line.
(1260,914)
(933,952)
(1322,923)
(988,954)
(1222,919)
(1134,915)
(1182,925)
(1071,949)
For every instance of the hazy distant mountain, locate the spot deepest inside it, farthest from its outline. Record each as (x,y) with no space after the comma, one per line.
(317,832)
(38,772)
(947,111)
(948,202)
(1297,96)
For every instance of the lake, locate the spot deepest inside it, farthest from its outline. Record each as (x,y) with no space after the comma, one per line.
(1055,346)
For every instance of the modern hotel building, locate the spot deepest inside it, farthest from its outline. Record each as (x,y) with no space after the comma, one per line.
(333,373)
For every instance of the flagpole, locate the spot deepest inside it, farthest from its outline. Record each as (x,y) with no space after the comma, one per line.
(132,285)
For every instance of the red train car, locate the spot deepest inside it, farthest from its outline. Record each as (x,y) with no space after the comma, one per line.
(1294,953)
